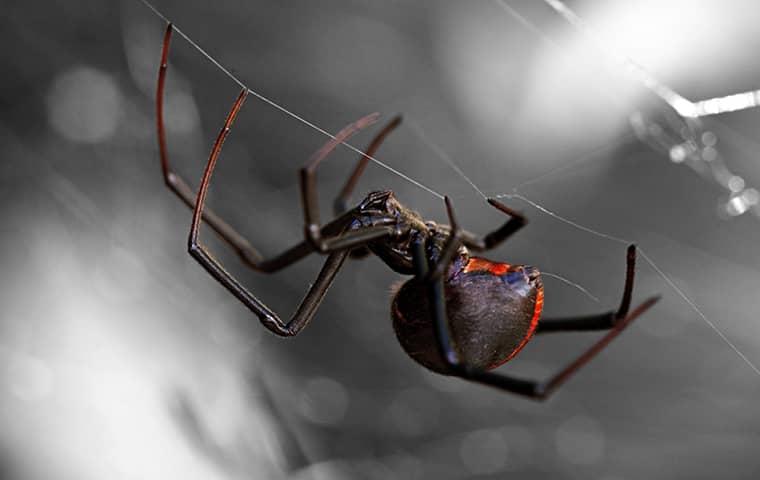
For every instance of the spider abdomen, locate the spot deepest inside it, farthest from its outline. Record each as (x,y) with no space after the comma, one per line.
(492,308)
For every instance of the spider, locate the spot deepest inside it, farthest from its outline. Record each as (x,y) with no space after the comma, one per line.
(459,315)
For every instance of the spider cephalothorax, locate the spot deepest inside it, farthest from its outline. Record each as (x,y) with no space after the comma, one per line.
(459,315)
(381,208)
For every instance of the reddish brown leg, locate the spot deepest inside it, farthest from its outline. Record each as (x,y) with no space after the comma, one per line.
(602,321)
(430,270)
(240,244)
(337,246)
(341,202)
(495,238)
(308,178)
(547,388)
(178,185)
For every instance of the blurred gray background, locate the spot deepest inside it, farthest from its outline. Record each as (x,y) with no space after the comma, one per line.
(121,358)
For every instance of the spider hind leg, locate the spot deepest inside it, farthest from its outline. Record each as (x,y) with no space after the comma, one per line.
(538,390)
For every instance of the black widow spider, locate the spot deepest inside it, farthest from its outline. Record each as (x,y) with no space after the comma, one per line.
(459,315)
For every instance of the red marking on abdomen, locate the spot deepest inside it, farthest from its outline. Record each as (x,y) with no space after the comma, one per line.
(475,264)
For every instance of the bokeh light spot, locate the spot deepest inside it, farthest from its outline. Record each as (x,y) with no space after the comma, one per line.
(709,154)
(324,401)
(709,139)
(580,440)
(484,451)
(414,411)
(736,183)
(678,154)
(84,105)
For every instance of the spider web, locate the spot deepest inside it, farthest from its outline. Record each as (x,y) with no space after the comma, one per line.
(675,127)
(667,94)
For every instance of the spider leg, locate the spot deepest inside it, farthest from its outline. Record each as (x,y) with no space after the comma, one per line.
(337,246)
(550,386)
(450,248)
(308,179)
(268,317)
(432,270)
(341,203)
(427,268)
(178,185)
(493,239)
(437,302)
(602,321)
(248,254)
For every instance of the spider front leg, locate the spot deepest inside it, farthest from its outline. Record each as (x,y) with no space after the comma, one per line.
(308,180)
(341,202)
(248,254)
(179,186)
(338,246)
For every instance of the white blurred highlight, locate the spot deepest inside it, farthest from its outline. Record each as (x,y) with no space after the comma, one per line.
(27,377)
(739,204)
(91,370)
(661,36)
(729,103)
(655,34)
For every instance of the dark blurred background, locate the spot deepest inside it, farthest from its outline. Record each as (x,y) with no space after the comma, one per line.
(121,358)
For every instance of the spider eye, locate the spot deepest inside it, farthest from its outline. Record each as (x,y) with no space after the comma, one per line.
(379,200)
